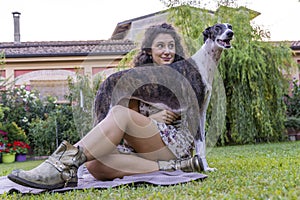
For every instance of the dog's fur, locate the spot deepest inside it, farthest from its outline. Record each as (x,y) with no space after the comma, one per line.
(183,87)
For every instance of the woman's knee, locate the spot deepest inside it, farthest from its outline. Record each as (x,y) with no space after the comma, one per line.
(120,116)
(119,110)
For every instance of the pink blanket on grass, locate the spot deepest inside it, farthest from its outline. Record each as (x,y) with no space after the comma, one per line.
(161,178)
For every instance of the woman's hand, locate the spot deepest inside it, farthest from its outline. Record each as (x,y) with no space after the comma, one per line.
(165,116)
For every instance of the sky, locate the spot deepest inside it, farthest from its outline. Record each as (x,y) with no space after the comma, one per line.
(69,20)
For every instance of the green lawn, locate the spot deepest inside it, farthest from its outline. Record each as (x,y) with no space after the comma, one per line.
(264,171)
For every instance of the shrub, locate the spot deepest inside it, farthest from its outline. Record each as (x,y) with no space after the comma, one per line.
(46,134)
(42,136)
(21,106)
(82,97)
(14,132)
(293,101)
(292,124)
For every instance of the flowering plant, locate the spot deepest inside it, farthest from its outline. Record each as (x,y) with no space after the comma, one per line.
(7,147)
(3,141)
(21,147)
(3,136)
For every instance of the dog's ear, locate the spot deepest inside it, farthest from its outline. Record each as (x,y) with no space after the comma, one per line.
(206,33)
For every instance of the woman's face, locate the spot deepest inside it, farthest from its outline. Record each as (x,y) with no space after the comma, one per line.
(163,49)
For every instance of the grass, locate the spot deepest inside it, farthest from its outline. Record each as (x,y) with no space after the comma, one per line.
(7,168)
(264,171)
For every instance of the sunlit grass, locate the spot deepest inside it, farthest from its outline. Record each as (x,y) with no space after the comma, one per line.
(264,171)
(7,168)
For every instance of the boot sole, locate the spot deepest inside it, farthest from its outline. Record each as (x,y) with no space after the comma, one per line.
(26,183)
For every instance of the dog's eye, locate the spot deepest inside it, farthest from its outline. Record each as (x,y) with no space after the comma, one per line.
(217,28)
(229,26)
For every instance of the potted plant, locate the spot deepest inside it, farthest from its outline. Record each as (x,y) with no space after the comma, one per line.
(14,140)
(8,152)
(3,140)
(21,150)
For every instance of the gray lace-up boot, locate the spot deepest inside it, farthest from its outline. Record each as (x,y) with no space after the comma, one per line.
(58,171)
(193,164)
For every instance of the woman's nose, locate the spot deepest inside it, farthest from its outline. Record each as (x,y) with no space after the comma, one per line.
(167,50)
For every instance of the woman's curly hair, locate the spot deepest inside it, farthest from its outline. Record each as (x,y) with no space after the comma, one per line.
(144,57)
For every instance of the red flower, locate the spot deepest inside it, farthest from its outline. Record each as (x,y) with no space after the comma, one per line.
(21,147)
(15,147)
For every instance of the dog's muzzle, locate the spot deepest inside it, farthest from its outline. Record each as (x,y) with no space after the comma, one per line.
(225,43)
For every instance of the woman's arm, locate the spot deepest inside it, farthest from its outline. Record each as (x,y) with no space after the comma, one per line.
(165,116)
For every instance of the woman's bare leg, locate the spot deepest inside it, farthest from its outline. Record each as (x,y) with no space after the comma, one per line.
(60,169)
(139,131)
(120,165)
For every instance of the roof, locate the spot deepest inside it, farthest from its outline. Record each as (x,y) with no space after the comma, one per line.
(123,27)
(66,48)
(76,48)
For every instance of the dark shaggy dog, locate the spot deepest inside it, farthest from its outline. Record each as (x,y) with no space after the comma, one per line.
(183,87)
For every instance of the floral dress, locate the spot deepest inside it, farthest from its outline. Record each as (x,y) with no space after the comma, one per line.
(176,137)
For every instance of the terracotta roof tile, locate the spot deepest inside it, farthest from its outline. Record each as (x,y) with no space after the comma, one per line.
(69,48)
(63,48)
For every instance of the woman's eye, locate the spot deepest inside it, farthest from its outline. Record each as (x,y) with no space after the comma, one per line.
(171,46)
(160,46)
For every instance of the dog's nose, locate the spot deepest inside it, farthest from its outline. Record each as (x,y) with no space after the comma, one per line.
(229,33)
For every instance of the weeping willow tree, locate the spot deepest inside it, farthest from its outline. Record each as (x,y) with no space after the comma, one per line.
(251,71)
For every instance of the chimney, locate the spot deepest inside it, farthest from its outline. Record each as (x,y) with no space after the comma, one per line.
(17,36)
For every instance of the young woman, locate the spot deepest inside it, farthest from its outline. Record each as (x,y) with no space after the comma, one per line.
(138,139)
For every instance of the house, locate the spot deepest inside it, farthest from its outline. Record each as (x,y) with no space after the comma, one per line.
(295,46)
(46,66)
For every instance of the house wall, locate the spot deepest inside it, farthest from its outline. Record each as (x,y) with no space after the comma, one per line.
(49,75)
(297,59)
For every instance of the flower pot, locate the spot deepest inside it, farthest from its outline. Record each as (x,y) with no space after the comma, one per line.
(21,157)
(8,157)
